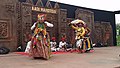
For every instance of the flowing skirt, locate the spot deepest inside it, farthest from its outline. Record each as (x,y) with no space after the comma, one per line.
(87,45)
(40,48)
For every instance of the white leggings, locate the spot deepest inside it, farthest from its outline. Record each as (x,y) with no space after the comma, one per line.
(79,43)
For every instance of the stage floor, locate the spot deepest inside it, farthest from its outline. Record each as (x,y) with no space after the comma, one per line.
(104,57)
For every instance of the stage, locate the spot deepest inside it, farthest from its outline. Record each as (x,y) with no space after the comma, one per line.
(104,57)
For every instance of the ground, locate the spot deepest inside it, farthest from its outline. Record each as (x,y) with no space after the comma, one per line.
(105,57)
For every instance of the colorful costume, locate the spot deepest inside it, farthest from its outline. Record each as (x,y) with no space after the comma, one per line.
(83,41)
(40,43)
(87,43)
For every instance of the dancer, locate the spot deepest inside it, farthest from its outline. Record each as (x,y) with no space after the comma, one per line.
(78,26)
(82,38)
(87,42)
(40,42)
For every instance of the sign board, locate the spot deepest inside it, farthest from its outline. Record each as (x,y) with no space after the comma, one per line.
(46,10)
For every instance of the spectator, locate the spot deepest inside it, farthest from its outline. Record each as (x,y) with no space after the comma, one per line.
(62,44)
(53,44)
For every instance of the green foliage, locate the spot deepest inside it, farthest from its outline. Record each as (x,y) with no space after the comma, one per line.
(118,36)
(118,26)
(118,40)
